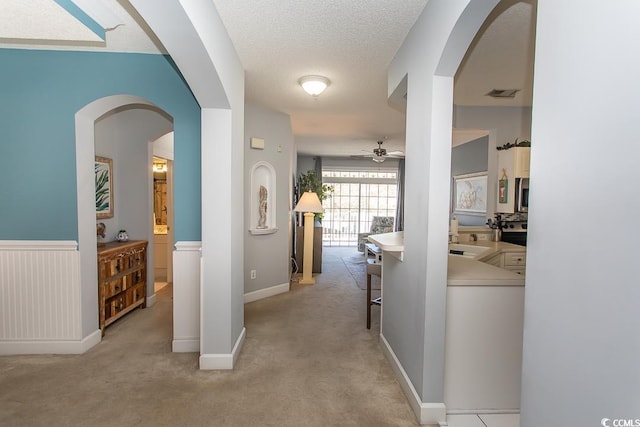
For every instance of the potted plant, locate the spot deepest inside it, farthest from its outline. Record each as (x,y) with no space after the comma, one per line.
(309,181)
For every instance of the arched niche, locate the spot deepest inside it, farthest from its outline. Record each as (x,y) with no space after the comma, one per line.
(263,176)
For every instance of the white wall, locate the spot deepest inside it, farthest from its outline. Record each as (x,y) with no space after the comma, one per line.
(582,301)
(268,254)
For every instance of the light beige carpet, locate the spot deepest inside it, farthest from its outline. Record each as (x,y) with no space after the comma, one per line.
(308,360)
(357,266)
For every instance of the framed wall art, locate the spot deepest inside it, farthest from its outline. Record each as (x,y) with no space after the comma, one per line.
(104,187)
(503,188)
(470,193)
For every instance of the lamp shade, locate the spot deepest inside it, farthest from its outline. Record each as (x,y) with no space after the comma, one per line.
(314,85)
(309,202)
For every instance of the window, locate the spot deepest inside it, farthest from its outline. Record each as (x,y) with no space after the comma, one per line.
(359,196)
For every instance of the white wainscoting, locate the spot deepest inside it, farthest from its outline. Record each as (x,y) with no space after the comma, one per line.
(186,297)
(40,298)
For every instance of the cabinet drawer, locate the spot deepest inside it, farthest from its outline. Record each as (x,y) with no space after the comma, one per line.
(518,270)
(514,259)
(112,288)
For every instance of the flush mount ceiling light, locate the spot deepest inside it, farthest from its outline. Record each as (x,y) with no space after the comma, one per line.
(314,85)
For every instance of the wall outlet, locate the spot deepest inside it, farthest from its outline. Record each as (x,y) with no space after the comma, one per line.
(483,236)
(253,274)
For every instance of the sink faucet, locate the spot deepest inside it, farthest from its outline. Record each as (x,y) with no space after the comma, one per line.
(473,237)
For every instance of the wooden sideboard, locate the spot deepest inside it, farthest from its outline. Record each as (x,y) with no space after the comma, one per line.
(122,279)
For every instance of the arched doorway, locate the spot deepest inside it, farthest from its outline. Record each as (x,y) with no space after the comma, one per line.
(86,119)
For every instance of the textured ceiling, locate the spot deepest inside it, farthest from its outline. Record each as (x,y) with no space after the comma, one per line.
(350,42)
(43,24)
(32,20)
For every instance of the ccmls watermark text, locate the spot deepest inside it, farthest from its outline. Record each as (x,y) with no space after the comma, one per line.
(619,422)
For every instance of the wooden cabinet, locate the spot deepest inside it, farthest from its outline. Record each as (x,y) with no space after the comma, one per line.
(317,249)
(122,279)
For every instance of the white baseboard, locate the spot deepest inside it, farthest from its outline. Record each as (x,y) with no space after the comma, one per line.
(186,345)
(151,300)
(50,347)
(266,293)
(482,411)
(426,413)
(223,361)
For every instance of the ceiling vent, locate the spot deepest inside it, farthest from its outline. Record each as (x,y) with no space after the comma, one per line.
(503,93)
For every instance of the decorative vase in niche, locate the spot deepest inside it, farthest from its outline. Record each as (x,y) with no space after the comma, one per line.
(122,236)
(262,214)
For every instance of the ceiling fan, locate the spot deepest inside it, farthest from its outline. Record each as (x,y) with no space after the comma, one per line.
(380,154)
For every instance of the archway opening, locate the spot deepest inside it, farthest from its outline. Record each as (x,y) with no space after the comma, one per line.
(121,128)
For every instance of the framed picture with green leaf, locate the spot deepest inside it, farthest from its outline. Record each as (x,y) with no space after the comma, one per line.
(104,187)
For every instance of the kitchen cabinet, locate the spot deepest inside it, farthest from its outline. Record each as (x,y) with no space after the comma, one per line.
(514,261)
(512,163)
(494,260)
(483,348)
(509,260)
(521,163)
(122,279)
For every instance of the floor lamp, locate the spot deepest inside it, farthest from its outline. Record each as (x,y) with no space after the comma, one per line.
(310,205)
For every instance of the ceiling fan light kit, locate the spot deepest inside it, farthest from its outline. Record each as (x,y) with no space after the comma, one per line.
(380,154)
(314,85)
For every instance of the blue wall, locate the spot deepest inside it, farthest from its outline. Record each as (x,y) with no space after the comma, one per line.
(469,158)
(40,92)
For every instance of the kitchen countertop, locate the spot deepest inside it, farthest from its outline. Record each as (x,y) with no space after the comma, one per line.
(463,271)
(391,242)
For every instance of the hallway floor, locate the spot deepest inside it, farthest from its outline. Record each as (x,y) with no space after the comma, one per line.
(308,360)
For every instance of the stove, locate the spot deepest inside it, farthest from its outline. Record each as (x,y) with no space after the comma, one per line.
(514,232)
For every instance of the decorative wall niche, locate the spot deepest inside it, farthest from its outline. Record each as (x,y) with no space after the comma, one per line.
(263,199)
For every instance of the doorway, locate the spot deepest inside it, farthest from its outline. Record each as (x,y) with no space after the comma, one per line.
(162,220)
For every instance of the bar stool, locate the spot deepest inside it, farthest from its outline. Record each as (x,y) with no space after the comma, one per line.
(375,269)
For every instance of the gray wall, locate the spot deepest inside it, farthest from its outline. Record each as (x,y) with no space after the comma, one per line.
(469,158)
(268,254)
(124,136)
(582,300)
(304,164)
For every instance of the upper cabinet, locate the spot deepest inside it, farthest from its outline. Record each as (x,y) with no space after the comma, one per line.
(521,163)
(512,163)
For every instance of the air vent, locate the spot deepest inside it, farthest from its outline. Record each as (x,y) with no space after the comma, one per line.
(503,93)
